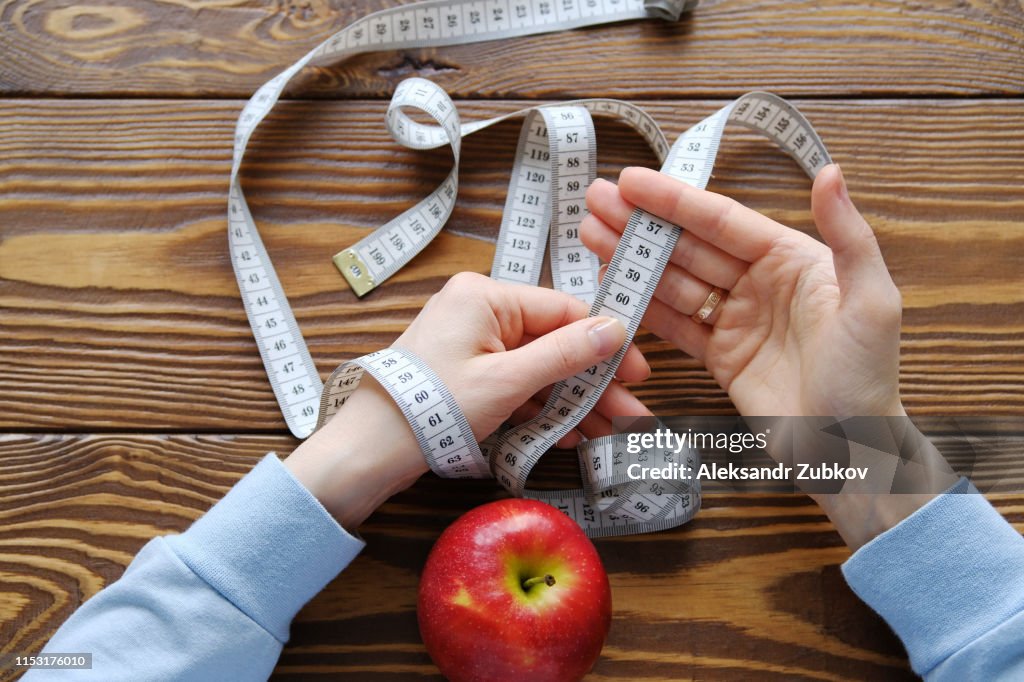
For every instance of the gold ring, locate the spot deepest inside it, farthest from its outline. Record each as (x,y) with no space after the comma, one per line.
(710,303)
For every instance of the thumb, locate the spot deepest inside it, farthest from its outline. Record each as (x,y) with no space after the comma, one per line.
(561,353)
(860,269)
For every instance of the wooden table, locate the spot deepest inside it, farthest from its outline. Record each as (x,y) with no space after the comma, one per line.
(132,395)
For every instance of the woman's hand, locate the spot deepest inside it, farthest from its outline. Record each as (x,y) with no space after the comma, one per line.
(804,329)
(497,347)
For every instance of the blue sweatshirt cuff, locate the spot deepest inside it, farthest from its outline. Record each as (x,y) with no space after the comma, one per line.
(944,576)
(267,547)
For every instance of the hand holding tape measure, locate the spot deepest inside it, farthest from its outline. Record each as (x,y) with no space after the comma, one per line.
(555,163)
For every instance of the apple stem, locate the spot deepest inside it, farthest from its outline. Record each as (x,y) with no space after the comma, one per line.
(548,580)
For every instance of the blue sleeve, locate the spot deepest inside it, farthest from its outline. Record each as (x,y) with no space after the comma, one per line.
(949,579)
(216,601)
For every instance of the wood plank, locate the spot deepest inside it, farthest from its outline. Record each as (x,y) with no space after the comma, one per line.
(836,47)
(714,599)
(120,310)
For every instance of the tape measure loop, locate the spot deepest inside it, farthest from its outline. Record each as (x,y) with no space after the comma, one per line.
(441,429)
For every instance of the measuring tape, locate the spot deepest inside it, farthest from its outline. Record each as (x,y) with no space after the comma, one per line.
(555,163)
(609,503)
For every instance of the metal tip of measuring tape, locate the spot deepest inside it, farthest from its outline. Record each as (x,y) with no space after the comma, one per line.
(355,272)
(669,10)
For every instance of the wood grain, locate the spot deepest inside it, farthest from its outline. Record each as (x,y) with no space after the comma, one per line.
(120,310)
(132,395)
(711,600)
(228,49)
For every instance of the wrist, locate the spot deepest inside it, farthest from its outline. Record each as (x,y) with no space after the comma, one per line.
(365,454)
(861,517)
(860,512)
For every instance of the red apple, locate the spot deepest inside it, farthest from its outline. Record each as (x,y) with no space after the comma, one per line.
(514,590)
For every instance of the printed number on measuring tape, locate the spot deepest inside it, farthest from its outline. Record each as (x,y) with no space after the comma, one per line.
(555,163)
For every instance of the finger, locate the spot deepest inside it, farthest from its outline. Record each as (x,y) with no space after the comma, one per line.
(681,291)
(619,401)
(678,329)
(667,323)
(707,262)
(594,425)
(686,294)
(561,353)
(633,368)
(570,440)
(601,230)
(718,220)
(540,310)
(860,268)
(527,411)
(605,201)
(598,235)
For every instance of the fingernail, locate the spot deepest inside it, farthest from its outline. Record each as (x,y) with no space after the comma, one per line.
(598,181)
(647,372)
(841,191)
(607,335)
(600,272)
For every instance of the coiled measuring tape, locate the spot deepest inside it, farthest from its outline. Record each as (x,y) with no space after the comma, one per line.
(609,502)
(555,163)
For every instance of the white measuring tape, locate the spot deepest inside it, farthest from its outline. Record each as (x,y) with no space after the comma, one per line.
(555,163)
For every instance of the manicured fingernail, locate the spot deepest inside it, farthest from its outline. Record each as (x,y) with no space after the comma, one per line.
(607,335)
